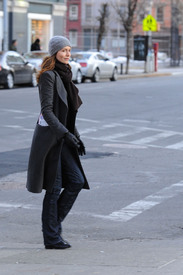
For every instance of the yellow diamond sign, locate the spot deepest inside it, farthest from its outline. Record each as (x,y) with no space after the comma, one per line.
(149,24)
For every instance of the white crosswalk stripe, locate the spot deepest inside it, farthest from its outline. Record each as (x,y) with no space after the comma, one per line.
(178,145)
(128,133)
(117,135)
(153,138)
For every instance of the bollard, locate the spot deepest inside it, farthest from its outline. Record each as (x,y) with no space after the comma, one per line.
(121,71)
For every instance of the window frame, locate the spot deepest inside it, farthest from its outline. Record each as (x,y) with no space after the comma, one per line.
(160,14)
(73,14)
(73,37)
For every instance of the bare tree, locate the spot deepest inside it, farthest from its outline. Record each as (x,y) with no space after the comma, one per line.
(126,16)
(102,24)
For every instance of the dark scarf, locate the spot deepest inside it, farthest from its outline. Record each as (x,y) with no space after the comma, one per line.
(65,73)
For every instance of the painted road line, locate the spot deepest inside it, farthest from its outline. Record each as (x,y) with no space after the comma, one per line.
(153,138)
(136,120)
(125,146)
(14,111)
(116,136)
(88,120)
(16,205)
(134,209)
(18,127)
(95,129)
(13,126)
(178,145)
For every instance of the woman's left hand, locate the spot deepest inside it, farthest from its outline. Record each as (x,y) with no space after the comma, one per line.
(81,149)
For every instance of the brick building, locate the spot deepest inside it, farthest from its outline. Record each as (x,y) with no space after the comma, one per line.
(73,25)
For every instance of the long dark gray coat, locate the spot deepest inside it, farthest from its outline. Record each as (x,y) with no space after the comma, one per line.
(48,140)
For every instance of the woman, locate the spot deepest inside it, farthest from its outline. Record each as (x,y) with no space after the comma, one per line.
(54,158)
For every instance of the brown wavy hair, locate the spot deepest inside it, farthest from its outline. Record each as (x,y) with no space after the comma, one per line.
(48,64)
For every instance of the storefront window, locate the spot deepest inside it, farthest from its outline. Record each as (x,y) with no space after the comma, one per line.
(41,29)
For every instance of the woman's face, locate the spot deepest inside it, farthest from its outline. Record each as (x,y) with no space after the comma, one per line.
(64,55)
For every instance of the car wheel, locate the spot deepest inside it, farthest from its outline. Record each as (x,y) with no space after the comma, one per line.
(78,77)
(83,79)
(9,81)
(96,76)
(114,75)
(34,80)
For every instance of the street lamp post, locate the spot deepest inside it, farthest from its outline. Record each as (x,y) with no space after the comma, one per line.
(5,25)
(149,61)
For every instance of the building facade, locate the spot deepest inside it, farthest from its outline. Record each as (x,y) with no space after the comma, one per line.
(162,11)
(85,25)
(73,26)
(29,20)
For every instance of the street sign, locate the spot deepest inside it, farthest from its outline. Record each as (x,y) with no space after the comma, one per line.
(149,24)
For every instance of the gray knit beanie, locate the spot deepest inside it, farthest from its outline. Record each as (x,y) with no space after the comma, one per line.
(57,43)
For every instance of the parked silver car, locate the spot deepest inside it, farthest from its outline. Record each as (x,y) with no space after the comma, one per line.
(95,66)
(14,69)
(76,71)
(36,58)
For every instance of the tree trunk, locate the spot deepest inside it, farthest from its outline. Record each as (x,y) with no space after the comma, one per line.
(99,40)
(128,49)
(102,21)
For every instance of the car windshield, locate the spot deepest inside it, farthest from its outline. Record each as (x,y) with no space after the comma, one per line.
(35,55)
(81,56)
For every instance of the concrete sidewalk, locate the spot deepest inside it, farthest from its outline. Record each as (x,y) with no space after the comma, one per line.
(139,72)
(123,257)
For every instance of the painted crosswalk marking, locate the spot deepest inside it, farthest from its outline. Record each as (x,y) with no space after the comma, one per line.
(153,138)
(117,135)
(127,134)
(136,208)
(127,131)
(178,145)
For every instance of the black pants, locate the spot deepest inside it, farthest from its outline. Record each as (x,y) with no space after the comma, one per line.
(57,204)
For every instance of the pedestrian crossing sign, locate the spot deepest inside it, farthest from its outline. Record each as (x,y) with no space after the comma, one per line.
(149,24)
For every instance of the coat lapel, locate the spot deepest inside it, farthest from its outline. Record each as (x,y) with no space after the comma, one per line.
(61,89)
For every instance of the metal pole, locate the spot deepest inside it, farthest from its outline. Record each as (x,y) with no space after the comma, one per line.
(5,25)
(149,34)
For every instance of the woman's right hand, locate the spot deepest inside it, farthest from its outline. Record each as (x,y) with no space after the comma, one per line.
(71,140)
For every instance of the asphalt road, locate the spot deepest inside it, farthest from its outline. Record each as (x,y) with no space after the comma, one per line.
(130,222)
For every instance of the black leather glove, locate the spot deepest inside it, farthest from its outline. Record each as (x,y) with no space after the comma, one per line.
(81,149)
(71,140)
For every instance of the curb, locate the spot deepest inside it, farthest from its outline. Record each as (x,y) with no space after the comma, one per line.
(143,75)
